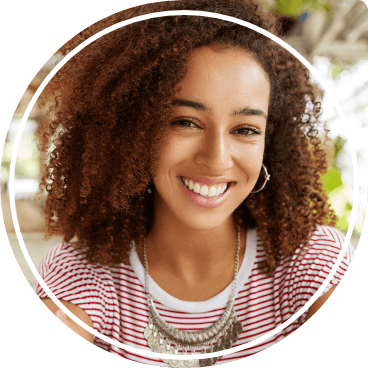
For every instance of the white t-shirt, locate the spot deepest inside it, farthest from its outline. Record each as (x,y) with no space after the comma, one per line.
(115,299)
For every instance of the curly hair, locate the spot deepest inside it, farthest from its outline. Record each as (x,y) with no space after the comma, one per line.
(111,104)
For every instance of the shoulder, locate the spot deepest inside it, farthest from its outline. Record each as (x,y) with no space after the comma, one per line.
(63,256)
(70,277)
(64,262)
(328,242)
(328,236)
(62,251)
(311,264)
(66,254)
(65,267)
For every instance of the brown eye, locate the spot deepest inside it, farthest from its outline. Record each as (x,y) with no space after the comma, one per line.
(247,131)
(185,123)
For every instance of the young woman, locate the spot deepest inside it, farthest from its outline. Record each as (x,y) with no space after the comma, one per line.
(184,157)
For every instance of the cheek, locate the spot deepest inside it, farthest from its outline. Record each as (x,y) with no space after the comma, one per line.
(172,152)
(250,159)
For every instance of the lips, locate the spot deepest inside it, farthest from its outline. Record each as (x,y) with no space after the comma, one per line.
(206,191)
(208,186)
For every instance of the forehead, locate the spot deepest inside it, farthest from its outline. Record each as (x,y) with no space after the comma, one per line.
(226,75)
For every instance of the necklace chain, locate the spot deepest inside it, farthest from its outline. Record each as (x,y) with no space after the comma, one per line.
(219,336)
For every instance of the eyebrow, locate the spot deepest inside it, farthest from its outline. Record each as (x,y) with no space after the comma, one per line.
(245,111)
(249,111)
(194,104)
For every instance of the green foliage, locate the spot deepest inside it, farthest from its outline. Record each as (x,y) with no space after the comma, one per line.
(340,201)
(27,165)
(332,179)
(297,7)
(335,69)
(360,108)
(339,195)
(338,145)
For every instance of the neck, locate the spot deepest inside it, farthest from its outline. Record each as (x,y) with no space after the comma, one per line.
(179,243)
(188,263)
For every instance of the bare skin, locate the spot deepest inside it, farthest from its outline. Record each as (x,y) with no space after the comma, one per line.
(319,302)
(199,270)
(77,311)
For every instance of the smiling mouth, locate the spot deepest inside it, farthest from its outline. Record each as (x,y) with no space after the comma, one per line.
(204,190)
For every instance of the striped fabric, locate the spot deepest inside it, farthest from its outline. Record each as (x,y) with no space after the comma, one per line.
(115,299)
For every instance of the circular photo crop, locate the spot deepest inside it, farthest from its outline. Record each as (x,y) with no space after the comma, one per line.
(180,188)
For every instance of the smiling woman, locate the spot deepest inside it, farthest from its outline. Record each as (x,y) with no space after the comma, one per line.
(215,142)
(185,161)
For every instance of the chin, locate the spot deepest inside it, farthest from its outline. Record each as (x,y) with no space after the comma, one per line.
(205,222)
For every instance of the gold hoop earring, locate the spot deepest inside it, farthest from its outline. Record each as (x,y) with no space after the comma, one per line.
(267,177)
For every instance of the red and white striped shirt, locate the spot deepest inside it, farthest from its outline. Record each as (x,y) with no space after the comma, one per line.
(115,299)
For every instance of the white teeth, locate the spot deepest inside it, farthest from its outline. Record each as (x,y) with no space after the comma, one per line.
(204,190)
(196,188)
(212,192)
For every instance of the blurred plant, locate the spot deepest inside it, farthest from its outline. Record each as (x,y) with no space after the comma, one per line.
(335,69)
(27,165)
(338,194)
(287,8)
(349,81)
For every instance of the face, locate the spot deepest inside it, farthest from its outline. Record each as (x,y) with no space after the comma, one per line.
(213,153)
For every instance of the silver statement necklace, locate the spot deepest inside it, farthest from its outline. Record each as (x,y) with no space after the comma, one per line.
(164,338)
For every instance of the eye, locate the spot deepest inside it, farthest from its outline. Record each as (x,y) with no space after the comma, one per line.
(247,131)
(184,123)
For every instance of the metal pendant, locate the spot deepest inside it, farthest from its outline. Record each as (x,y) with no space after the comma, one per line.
(205,362)
(226,342)
(158,344)
(233,336)
(238,327)
(216,348)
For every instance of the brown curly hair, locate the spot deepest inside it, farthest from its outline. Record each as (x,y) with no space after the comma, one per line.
(111,106)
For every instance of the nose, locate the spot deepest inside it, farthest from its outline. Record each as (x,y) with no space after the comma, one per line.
(215,152)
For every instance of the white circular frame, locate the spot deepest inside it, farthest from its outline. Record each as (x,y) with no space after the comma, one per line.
(25,118)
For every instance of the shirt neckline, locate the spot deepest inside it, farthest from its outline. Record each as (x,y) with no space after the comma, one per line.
(218,301)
